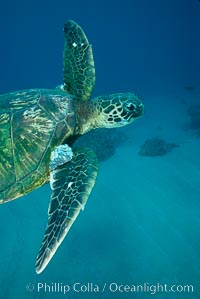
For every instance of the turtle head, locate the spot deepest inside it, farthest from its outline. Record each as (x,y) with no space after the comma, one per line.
(115,110)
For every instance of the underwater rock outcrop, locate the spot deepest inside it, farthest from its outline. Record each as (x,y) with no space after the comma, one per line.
(189,87)
(103,141)
(194,119)
(156,147)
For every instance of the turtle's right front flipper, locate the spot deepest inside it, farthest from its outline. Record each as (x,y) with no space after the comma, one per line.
(71,183)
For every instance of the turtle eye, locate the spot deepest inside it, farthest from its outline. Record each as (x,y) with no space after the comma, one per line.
(130,106)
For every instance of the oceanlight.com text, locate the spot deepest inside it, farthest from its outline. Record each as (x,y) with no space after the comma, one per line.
(112,287)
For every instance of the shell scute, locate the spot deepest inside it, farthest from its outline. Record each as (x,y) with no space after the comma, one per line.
(31,123)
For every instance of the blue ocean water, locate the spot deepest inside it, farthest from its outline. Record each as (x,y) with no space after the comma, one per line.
(141,223)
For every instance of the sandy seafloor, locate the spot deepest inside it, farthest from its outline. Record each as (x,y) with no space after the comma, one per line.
(141,223)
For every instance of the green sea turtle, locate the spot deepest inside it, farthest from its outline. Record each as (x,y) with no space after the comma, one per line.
(38,128)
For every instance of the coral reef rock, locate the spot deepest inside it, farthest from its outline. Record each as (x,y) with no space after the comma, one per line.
(156,147)
(194,116)
(189,87)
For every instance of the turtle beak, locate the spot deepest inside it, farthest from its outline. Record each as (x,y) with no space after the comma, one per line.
(134,110)
(139,110)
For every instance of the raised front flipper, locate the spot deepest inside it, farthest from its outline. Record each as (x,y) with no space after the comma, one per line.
(79,71)
(71,183)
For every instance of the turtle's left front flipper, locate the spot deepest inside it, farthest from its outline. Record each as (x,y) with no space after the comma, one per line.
(71,184)
(78,62)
